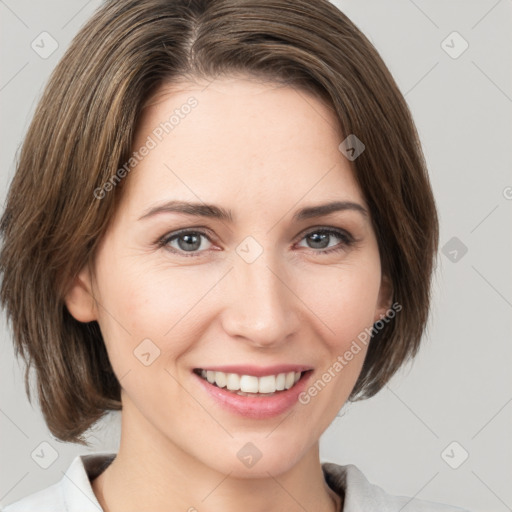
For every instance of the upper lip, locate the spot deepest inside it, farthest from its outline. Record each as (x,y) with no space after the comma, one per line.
(257,371)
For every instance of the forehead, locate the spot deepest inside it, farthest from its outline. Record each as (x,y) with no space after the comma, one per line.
(239,138)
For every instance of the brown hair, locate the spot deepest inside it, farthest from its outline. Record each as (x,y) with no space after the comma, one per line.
(82,133)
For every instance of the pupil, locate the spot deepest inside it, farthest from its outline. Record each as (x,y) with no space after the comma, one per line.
(319,240)
(191,242)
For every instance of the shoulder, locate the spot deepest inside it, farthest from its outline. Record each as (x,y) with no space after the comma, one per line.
(49,499)
(73,493)
(360,494)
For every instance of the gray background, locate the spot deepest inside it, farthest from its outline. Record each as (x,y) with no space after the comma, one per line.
(458,389)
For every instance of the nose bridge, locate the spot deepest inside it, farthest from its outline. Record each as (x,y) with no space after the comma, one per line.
(260,306)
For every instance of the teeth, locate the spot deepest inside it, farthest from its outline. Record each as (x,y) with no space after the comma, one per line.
(290,378)
(220,379)
(233,382)
(267,384)
(249,383)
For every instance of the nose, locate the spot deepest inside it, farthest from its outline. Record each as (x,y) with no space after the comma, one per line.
(260,305)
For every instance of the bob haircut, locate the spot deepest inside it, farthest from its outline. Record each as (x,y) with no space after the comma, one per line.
(82,133)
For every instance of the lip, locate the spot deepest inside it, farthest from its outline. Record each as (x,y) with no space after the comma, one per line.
(256,407)
(258,371)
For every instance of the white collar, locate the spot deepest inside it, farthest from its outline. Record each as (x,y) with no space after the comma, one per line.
(74,491)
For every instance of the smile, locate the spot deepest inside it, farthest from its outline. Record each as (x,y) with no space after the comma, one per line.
(250,385)
(254,392)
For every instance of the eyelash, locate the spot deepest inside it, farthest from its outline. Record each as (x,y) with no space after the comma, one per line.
(346,240)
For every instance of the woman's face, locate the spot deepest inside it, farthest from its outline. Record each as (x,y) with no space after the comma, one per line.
(217,260)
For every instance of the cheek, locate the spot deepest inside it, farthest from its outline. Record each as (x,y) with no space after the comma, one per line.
(148,302)
(343,301)
(343,298)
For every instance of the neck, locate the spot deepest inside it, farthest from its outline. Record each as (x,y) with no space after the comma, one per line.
(152,473)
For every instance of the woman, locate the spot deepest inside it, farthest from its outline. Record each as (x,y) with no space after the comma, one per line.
(221,223)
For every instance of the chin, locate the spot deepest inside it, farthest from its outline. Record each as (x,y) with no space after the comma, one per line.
(251,456)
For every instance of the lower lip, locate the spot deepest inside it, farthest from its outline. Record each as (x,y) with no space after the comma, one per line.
(256,407)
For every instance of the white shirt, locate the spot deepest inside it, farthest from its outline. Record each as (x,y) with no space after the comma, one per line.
(73,493)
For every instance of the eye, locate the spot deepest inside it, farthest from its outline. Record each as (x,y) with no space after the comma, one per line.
(186,242)
(194,242)
(325,238)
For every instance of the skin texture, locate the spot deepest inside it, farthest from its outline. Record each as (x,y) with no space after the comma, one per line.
(263,151)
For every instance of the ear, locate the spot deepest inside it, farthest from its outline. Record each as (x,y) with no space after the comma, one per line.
(385,298)
(79,298)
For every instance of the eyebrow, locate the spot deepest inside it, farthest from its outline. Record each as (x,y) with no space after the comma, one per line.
(216,212)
